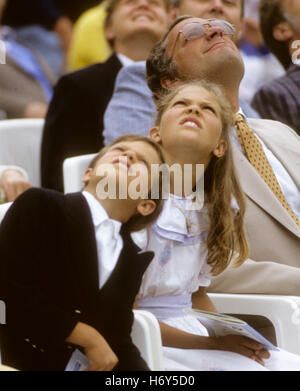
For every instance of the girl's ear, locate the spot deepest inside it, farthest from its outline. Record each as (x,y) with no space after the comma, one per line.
(220,149)
(283,32)
(87,176)
(146,207)
(155,135)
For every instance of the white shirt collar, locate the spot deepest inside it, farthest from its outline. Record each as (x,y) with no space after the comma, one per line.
(124,60)
(98,213)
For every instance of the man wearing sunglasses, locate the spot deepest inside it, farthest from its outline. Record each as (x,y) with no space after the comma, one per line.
(199,48)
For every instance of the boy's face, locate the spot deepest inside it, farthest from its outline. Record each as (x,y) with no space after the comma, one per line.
(126,161)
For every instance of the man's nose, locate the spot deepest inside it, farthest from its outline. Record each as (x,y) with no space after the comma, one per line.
(217,5)
(142,3)
(212,31)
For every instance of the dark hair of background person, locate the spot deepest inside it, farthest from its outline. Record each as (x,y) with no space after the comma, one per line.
(271,14)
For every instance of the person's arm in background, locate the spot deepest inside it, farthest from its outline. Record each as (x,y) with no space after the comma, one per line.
(13,181)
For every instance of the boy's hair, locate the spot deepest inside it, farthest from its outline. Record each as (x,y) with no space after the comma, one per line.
(226,235)
(138,222)
(110,7)
(271,14)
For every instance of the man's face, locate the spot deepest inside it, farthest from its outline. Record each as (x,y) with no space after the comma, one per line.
(292,7)
(205,56)
(229,10)
(137,17)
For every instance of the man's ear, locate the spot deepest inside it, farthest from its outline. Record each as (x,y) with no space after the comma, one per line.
(146,207)
(169,84)
(283,32)
(220,149)
(109,32)
(87,176)
(173,13)
(155,135)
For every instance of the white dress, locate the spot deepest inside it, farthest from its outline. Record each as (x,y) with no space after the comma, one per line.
(177,270)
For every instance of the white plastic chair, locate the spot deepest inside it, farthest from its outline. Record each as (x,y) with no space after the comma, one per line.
(20,145)
(282,311)
(147,338)
(73,170)
(3,209)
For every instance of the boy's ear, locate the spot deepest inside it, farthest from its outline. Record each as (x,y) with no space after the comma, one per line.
(220,149)
(86,176)
(155,135)
(146,207)
(283,32)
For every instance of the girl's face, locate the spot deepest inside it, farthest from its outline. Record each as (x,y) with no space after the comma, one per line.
(191,125)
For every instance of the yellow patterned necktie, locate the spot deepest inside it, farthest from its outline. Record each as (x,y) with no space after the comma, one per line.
(256,156)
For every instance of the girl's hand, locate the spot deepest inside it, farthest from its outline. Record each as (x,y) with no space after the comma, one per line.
(242,345)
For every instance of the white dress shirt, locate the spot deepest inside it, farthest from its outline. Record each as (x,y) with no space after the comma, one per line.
(288,187)
(124,60)
(108,238)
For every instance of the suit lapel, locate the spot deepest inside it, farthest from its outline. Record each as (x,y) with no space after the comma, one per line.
(82,236)
(256,189)
(285,150)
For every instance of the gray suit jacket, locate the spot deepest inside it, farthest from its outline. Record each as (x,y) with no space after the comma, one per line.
(131,109)
(274,238)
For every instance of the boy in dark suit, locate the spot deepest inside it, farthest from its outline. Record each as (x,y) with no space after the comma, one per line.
(70,272)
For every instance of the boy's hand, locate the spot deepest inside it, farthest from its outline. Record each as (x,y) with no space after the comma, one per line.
(242,345)
(100,355)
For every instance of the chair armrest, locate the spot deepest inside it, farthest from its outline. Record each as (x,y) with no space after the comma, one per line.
(147,337)
(282,311)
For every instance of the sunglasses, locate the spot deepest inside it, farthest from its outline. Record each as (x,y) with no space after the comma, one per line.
(197,29)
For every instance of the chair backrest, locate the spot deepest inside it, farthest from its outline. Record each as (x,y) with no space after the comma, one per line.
(147,338)
(73,170)
(3,209)
(21,145)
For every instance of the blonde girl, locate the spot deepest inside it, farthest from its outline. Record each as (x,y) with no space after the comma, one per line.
(193,127)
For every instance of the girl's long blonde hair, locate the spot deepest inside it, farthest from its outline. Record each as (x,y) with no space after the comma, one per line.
(226,238)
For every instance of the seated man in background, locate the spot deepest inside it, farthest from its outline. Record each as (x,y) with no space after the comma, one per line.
(131,91)
(280,99)
(25,79)
(74,121)
(43,26)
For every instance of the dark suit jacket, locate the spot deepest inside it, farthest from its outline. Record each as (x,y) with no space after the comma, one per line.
(49,282)
(74,121)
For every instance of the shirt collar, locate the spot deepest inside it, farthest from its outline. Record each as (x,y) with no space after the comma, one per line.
(99,214)
(124,60)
